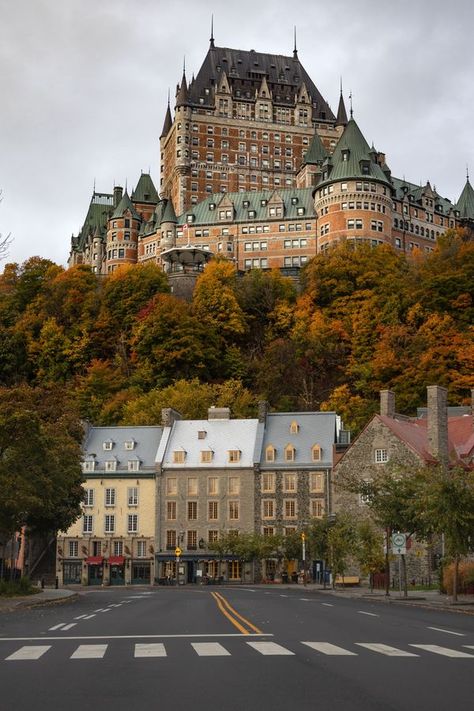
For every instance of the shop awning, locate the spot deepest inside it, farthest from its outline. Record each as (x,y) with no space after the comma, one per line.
(116,560)
(94,560)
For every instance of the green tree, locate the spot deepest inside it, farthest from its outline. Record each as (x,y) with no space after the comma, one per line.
(341,544)
(369,549)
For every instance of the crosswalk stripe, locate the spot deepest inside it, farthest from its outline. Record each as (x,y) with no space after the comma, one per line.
(89,617)
(386,649)
(68,627)
(210,649)
(330,649)
(444,651)
(150,650)
(270,648)
(327,604)
(80,617)
(89,651)
(56,627)
(29,652)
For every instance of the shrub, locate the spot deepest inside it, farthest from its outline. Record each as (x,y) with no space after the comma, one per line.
(465,579)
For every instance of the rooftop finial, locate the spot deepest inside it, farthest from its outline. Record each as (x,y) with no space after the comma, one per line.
(94,183)
(168,97)
(295,51)
(350,99)
(212,32)
(184,65)
(341,85)
(467,172)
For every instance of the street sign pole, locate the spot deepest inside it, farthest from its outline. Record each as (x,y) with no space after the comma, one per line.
(303,542)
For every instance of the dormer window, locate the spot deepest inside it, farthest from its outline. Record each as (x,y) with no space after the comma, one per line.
(294,427)
(270,453)
(107,445)
(206,456)
(179,456)
(88,465)
(246,203)
(263,203)
(294,200)
(212,206)
(133,465)
(290,453)
(252,213)
(233,455)
(345,155)
(316,453)
(129,444)
(300,210)
(111,465)
(202,434)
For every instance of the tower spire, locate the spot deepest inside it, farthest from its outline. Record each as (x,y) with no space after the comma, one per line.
(350,99)
(212,33)
(341,119)
(295,51)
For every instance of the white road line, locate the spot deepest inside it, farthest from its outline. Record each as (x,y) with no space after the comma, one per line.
(386,649)
(68,627)
(89,617)
(283,595)
(370,614)
(136,636)
(24,653)
(330,649)
(81,617)
(150,650)
(440,629)
(469,646)
(89,651)
(99,610)
(107,609)
(134,597)
(56,627)
(270,649)
(305,599)
(210,649)
(327,604)
(444,651)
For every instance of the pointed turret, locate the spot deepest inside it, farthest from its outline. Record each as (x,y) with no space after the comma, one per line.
(316,154)
(145,190)
(182,95)
(295,51)
(465,204)
(341,119)
(168,122)
(124,205)
(211,40)
(169,214)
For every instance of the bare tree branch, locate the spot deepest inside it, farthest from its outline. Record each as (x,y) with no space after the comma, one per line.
(5,241)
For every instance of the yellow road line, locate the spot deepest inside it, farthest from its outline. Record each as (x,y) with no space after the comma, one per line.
(240,617)
(229,617)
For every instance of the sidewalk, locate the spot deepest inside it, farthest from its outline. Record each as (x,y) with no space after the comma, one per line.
(49,596)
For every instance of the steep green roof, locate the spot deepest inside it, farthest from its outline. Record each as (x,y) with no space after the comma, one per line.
(169,214)
(316,152)
(207,211)
(353,158)
(415,194)
(168,122)
(145,190)
(100,206)
(124,205)
(341,119)
(465,204)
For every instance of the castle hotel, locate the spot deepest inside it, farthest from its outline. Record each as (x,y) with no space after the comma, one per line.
(255,166)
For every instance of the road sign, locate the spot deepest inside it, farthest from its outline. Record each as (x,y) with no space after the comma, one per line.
(399,543)
(177,551)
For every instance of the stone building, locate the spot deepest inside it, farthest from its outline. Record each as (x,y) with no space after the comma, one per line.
(113,542)
(251,154)
(438,435)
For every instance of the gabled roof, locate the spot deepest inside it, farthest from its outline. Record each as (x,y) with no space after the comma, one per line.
(352,152)
(284,76)
(204,214)
(124,205)
(145,190)
(403,187)
(465,204)
(100,207)
(313,428)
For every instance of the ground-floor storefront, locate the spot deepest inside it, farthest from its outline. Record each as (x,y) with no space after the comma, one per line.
(98,570)
(204,569)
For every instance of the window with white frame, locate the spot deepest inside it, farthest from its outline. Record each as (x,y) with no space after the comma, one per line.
(289,481)
(89,497)
(192,510)
(316,482)
(132,523)
(268,508)
(316,453)
(234,455)
(213,485)
(88,465)
(129,444)
(170,539)
(270,453)
(192,487)
(110,497)
(212,510)
(206,456)
(213,536)
(133,465)
(316,508)
(268,482)
(381,456)
(118,548)
(268,531)
(132,495)
(171,510)
(171,486)
(73,549)
(87,523)
(107,445)
(109,523)
(289,508)
(111,465)
(179,455)
(141,549)
(290,453)
(234,510)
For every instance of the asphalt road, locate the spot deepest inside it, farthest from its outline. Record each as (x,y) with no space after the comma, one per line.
(234,649)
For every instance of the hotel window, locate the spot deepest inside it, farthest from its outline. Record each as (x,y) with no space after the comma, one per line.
(213,536)
(89,497)
(96,548)
(206,456)
(289,453)
(381,456)
(289,482)
(316,453)
(132,523)
(212,510)
(213,485)
(111,465)
(192,540)
(141,549)
(133,465)
(179,455)
(87,522)
(289,508)
(234,485)
(316,508)
(108,445)
(132,496)
(268,508)
(316,483)
(233,510)
(88,466)
(192,510)
(129,444)
(192,486)
(110,497)
(270,453)
(170,540)
(171,510)
(109,523)
(268,531)
(268,482)
(73,549)
(118,548)
(171,486)
(234,455)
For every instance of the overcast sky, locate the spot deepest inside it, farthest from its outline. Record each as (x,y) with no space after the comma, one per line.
(83,87)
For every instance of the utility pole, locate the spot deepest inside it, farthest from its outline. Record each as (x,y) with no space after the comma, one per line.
(303,544)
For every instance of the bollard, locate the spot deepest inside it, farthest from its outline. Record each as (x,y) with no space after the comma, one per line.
(57,583)
(42,583)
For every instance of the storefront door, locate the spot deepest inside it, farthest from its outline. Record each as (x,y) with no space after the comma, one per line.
(141,574)
(72,573)
(95,574)
(117,575)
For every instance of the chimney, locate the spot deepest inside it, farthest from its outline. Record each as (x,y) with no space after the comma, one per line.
(387,403)
(437,425)
(118,192)
(168,416)
(263,407)
(218,413)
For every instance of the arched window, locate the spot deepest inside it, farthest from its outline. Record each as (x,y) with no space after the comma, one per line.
(294,427)
(270,453)
(316,453)
(290,452)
